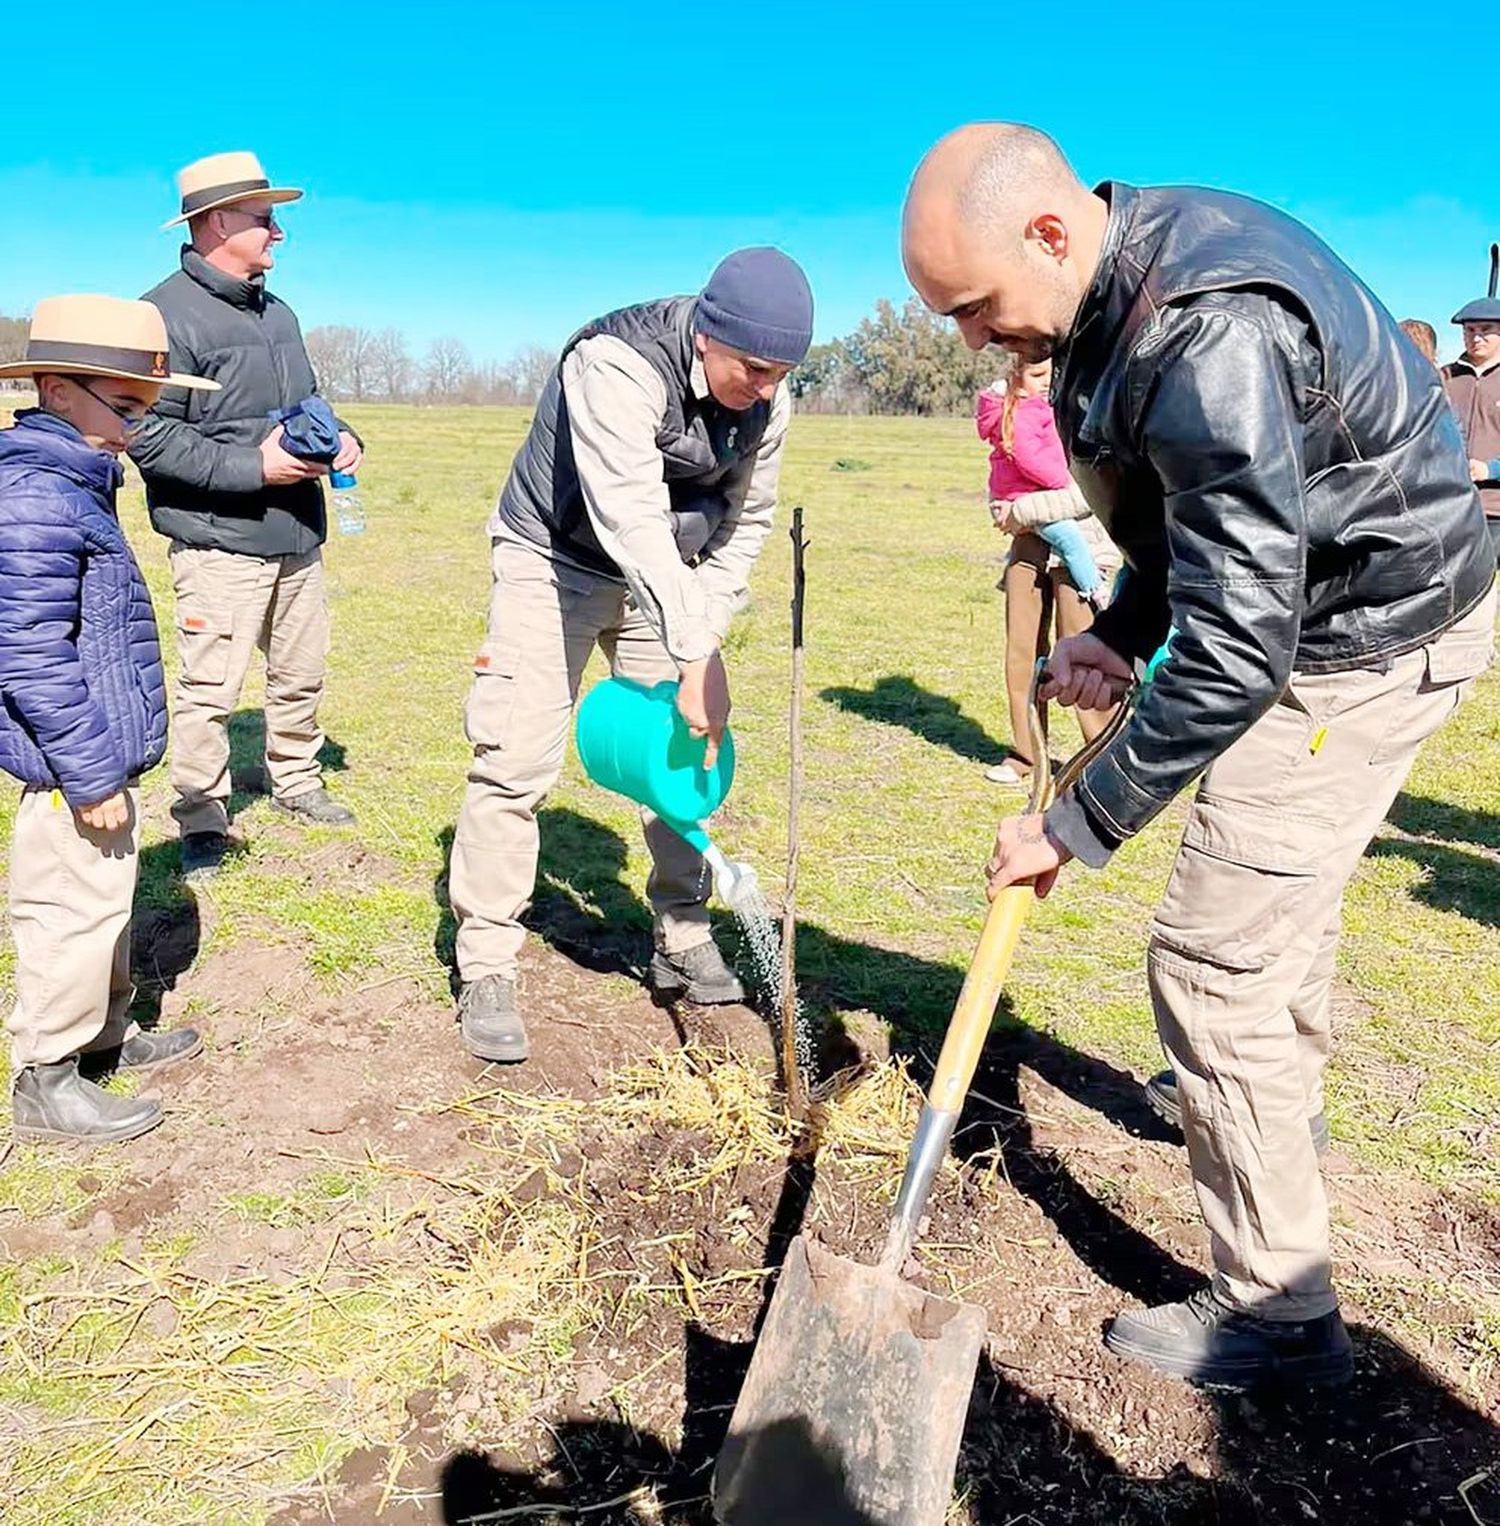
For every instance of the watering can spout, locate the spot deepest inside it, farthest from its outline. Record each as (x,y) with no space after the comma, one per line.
(735,884)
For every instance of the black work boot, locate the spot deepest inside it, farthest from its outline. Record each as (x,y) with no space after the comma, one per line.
(55,1102)
(1205,1341)
(697,974)
(316,806)
(491,1022)
(1163,1100)
(202,854)
(143,1051)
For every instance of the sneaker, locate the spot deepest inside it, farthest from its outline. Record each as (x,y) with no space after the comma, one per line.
(697,974)
(316,806)
(143,1051)
(1004,773)
(202,854)
(1163,1100)
(490,1020)
(55,1102)
(1205,1341)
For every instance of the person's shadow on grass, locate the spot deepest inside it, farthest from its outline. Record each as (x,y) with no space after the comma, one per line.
(898,700)
(580,905)
(166,930)
(1423,816)
(1449,843)
(247,758)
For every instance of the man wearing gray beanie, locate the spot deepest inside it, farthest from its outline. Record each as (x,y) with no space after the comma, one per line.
(632,515)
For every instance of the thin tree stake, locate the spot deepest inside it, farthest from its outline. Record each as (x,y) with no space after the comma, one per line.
(796,1086)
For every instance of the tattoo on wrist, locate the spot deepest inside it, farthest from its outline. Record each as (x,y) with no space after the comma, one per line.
(1031,829)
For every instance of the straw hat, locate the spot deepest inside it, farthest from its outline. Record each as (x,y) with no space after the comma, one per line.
(223,179)
(100,336)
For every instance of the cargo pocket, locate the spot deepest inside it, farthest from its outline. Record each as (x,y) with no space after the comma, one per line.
(1452,664)
(1240,887)
(203,642)
(492,695)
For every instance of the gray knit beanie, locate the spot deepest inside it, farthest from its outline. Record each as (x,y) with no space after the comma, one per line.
(758,302)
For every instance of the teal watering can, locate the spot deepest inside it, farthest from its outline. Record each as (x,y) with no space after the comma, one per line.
(633,741)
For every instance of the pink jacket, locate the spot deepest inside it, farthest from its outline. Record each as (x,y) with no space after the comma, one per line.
(1036,459)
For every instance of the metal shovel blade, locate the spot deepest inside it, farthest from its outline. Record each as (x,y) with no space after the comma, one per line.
(854,1405)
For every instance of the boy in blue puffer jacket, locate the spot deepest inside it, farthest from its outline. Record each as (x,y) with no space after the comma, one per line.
(82,714)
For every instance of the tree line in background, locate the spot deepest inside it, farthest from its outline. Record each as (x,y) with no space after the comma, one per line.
(899,360)
(12,342)
(365,365)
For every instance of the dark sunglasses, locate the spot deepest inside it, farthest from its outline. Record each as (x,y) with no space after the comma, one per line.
(266,220)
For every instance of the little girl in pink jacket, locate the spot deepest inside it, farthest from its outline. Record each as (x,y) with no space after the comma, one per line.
(1028,456)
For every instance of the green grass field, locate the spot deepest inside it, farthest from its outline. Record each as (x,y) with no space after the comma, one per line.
(904,711)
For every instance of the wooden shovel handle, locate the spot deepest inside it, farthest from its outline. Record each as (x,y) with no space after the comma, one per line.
(970,1024)
(975,1010)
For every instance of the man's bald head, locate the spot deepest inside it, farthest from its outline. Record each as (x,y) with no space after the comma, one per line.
(1001,234)
(988,175)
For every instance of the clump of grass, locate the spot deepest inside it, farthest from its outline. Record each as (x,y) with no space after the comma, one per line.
(163,1396)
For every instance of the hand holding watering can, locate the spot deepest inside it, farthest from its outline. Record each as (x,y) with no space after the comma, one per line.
(703,702)
(637,742)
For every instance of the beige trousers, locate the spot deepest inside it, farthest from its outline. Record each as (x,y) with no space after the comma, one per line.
(1243,948)
(545,619)
(1036,593)
(227,606)
(71,890)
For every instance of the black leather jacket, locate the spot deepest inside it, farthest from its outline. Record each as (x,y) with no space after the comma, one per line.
(1278,465)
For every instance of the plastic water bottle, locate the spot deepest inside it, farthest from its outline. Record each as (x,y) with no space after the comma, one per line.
(346,503)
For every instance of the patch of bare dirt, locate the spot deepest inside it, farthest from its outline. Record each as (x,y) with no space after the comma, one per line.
(1069,1204)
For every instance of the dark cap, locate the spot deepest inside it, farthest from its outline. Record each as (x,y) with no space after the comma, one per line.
(1480,310)
(758,302)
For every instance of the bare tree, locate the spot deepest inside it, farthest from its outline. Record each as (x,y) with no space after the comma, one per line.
(390,365)
(13,332)
(328,348)
(362,367)
(490,383)
(447,366)
(530,369)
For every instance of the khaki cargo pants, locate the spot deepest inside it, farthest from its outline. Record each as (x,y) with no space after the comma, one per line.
(227,606)
(544,622)
(1243,946)
(71,890)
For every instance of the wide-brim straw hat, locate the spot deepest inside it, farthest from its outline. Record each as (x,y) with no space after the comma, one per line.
(100,336)
(221,180)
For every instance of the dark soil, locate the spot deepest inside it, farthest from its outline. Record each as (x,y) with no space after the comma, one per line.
(1070,1204)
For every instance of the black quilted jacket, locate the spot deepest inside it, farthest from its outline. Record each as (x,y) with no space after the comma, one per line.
(200,452)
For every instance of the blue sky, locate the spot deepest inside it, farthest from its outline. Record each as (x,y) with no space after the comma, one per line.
(503,173)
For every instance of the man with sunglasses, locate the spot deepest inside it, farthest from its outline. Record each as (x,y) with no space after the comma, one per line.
(245,516)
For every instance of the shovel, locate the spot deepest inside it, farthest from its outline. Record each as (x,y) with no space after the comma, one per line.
(854,1405)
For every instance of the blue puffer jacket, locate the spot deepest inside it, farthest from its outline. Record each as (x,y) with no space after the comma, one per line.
(83,704)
